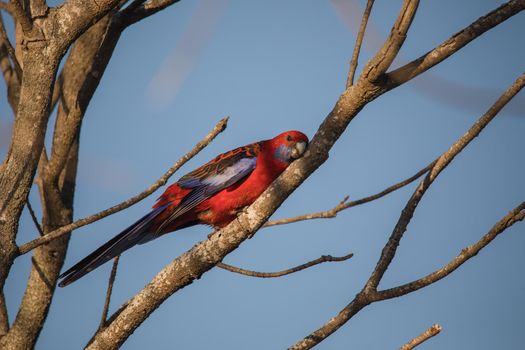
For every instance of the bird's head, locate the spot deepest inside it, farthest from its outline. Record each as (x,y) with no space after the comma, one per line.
(289,145)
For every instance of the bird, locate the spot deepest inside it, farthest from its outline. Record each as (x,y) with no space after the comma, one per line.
(213,194)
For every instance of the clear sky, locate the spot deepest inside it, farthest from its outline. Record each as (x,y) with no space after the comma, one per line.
(278,65)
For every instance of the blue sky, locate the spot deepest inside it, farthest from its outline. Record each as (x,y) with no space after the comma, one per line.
(273,66)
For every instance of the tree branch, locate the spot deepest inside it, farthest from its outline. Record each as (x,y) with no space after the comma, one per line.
(358,42)
(127,203)
(423,337)
(35,219)
(386,55)
(454,43)
(442,162)
(322,259)
(332,213)
(20,15)
(140,9)
(205,255)
(517,214)
(369,293)
(111,281)
(12,77)
(11,51)
(4,319)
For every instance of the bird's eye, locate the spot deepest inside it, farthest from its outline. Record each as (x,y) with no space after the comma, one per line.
(288,138)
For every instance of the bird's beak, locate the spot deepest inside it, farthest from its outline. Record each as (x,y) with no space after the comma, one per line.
(298,149)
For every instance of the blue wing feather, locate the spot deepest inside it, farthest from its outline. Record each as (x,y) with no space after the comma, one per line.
(204,187)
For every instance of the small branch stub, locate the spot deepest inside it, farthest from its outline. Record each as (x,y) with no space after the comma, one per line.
(423,337)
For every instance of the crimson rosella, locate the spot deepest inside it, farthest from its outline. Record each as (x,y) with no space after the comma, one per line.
(213,195)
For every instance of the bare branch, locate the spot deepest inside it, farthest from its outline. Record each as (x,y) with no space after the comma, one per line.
(127,203)
(8,60)
(454,43)
(442,162)
(332,213)
(4,319)
(358,42)
(139,9)
(111,281)
(205,255)
(35,219)
(386,55)
(369,293)
(423,337)
(19,14)
(517,214)
(12,55)
(322,259)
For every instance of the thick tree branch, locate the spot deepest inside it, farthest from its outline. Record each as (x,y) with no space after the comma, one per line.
(358,42)
(344,204)
(127,203)
(322,259)
(423,337)
(442,162)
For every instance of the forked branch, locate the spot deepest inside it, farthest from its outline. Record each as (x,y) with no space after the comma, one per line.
(369,292)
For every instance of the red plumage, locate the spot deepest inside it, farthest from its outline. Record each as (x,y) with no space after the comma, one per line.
(212,194)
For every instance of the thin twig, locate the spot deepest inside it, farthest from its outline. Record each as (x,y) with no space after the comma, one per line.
(423,337)
(332,213)
(358,42)
(322,259)
(35,219)
(27,247)
(111,281)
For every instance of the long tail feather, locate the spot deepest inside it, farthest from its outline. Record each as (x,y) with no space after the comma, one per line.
(115,246)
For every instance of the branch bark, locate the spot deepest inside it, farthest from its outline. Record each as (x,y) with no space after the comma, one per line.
(111,282)
(517,214)
(423,337)
(358,42)
(322,259)
(344,204)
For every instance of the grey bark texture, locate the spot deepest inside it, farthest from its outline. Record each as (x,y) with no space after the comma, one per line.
(90,31)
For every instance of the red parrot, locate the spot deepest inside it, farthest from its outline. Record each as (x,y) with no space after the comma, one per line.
(212,194)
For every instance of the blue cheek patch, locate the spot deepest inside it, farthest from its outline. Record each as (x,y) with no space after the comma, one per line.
(282,153)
